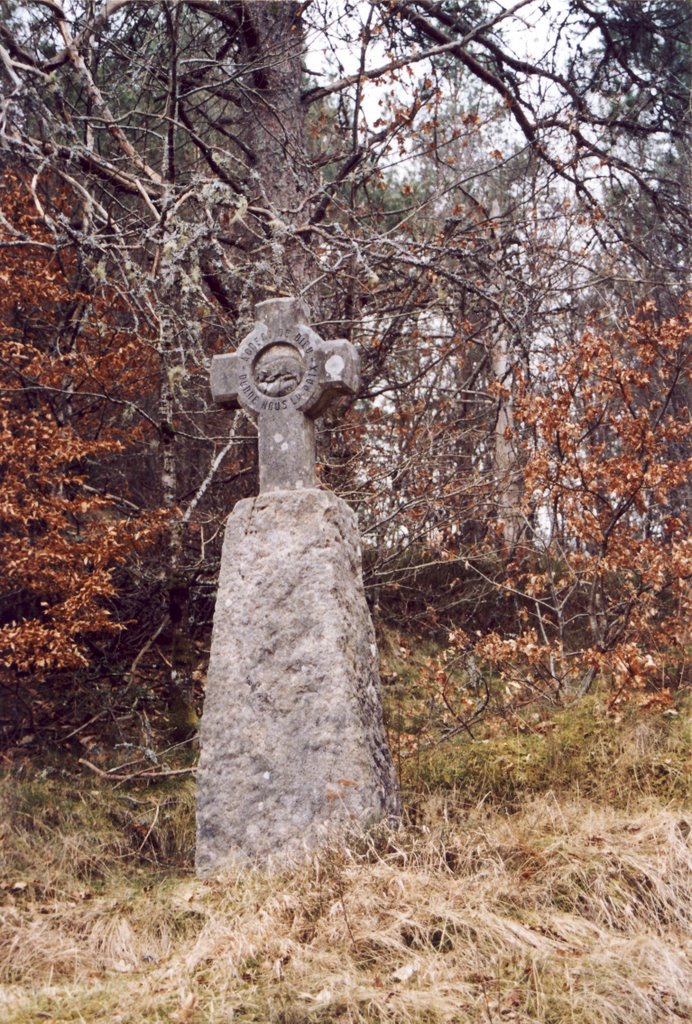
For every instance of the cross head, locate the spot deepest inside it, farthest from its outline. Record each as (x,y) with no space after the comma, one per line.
(286,375)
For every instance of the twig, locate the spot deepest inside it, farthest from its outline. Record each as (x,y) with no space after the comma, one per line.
(99,771)
(152,639)
(83,726)
(348,923)
(209,477)
(151,827)
(162,775)
(137,775)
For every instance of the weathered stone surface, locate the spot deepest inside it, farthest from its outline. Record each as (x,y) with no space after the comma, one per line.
(285,374)
(293,746)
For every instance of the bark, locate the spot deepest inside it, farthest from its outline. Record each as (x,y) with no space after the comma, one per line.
(507,470)
(273,130)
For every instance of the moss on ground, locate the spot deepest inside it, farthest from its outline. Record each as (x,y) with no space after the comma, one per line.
(581,749)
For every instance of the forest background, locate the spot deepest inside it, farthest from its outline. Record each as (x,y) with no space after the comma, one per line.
(492,202)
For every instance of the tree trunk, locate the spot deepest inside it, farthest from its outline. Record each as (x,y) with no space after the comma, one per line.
(507,475)
(273,130)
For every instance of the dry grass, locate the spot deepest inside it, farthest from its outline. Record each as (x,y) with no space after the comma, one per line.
(564,912)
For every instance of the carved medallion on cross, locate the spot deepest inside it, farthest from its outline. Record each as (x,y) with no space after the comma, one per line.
(286,375)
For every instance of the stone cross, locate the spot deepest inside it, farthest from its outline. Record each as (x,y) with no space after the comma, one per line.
(287,375)
(293,748)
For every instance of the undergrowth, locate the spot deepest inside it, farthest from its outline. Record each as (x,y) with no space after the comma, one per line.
(582,749)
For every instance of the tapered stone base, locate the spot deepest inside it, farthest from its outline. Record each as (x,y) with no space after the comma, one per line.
(294,752)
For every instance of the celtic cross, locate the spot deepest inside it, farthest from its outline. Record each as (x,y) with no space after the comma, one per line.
(286,375)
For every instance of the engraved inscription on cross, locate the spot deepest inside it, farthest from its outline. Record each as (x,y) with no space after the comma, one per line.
(287,375)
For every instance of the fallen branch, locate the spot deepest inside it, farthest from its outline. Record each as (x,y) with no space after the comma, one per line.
(145,774)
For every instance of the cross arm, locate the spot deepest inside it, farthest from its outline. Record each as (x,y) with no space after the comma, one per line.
(338,372)
(224,381)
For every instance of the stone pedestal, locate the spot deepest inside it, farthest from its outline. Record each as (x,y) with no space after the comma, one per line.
(293,747)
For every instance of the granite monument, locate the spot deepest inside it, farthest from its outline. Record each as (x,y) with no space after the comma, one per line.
(293,748)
